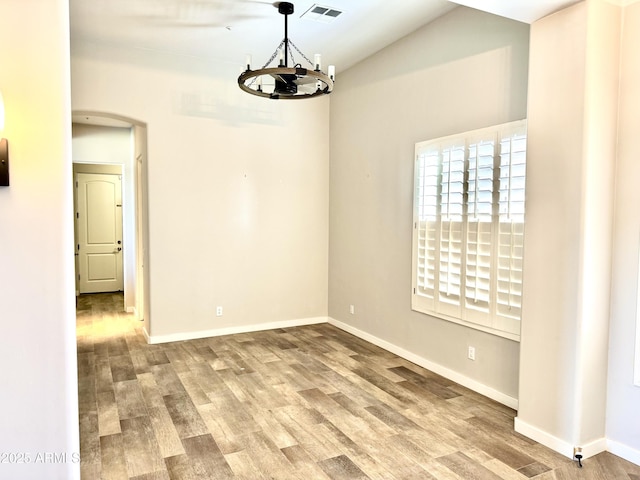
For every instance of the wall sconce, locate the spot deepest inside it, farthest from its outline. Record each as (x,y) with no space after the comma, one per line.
(4,150)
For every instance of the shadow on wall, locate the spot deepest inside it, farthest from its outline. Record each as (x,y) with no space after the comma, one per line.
(221,99)
(204,104)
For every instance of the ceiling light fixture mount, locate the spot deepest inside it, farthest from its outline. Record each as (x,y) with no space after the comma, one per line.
(294,82)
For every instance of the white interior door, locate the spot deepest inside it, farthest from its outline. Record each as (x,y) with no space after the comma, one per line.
(99,229)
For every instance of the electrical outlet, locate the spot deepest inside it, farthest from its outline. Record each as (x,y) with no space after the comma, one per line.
(577,451)
(352,309)
(471,353)
(218,311)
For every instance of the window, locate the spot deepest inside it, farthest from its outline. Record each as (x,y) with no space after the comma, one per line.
(469,228)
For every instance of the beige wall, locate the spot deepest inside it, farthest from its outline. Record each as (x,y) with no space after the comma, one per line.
(554,134)
(39,400)
(100,144)
(464,71)
(237,191)
(574,101)
(623,421)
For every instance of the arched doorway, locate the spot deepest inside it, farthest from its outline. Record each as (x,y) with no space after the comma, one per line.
(93,127)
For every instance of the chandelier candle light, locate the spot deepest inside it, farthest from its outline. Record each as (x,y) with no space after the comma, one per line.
(293,82)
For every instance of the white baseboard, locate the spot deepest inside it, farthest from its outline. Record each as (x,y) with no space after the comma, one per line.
(546,439)
(434,367)
(429,365)
(593,448)
(132,310)
(216,332)
(630,454)
(561,446)
(147,337)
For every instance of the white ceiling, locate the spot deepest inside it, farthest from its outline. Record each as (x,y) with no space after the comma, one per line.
(226,30)
(527,11)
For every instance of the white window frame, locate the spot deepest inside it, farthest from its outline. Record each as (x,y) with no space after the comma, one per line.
(464,231)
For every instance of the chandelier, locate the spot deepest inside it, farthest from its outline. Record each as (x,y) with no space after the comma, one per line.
(291,82)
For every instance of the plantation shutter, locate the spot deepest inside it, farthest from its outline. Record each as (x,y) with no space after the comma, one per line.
(511,228)
(469,228)
(480,189)
(427,167)
(451,234)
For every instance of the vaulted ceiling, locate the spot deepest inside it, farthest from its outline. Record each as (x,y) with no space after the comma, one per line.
(224,31)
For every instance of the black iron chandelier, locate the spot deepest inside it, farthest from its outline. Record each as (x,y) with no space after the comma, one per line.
(295,82)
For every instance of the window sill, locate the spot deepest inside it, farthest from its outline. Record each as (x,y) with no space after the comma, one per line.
(475,326)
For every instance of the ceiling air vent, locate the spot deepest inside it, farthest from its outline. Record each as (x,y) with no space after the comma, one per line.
(321,13)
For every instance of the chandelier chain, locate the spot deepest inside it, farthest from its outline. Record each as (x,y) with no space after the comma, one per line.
(291,44)
(271,59)
(273,56)
(293,60)
(303,55)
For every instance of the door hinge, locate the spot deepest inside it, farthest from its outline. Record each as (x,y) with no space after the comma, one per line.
(77,214)
(414,291)
(76,184)
(78,246)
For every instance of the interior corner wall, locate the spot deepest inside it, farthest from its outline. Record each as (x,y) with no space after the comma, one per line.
(94,144)
(139,133)
(555,133)
(39,397)
(466,70)
(623,421)
(237,192)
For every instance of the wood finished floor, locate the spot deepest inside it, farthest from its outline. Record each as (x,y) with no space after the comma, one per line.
(298,403)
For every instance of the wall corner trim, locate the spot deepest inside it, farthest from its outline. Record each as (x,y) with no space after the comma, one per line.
(429,365)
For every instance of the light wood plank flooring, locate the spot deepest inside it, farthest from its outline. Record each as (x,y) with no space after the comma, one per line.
(298,403)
